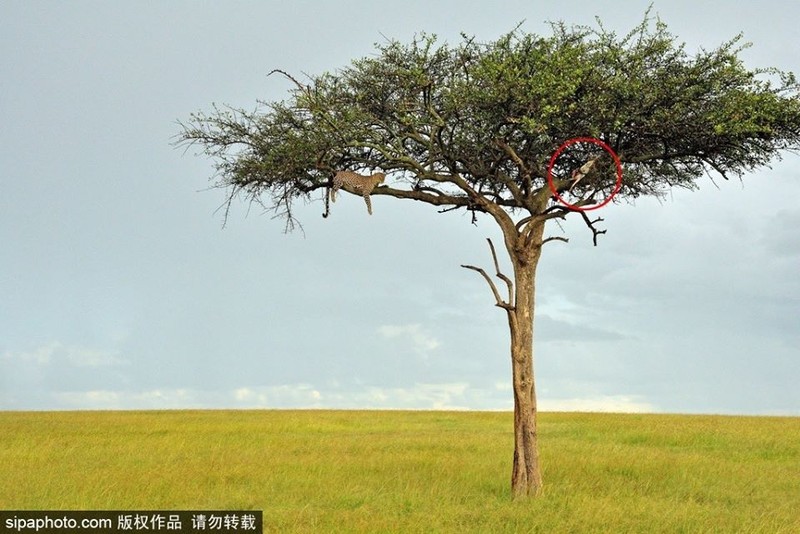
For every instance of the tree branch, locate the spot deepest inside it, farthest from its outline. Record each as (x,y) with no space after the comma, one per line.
(299,85)
(500,303)
(500,275)
(716,168)
(556,212)
(553,212)
(439,199)
(451,208)
(544,193)
(523,169)
(590,223)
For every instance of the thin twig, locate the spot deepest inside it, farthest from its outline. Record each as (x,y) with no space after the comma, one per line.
(302,87)
(443,210)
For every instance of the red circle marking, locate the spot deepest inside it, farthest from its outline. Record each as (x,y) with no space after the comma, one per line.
(594,141)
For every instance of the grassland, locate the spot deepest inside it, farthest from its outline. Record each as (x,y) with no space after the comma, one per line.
(333,471)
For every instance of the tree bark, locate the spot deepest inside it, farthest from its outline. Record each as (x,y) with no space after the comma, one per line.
(526,476)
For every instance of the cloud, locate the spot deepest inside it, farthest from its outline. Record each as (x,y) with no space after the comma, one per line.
(86,357)
(556,330)
(604,403)
(450,396)
(598,403)
(422,342)
(420,396)
(294,395)
(42,355)
(55,351)
(129,400)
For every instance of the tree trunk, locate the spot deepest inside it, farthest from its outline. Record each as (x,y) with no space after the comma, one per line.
(526,476)
(524,249)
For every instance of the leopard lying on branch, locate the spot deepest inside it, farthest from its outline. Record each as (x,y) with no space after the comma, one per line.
(357,182)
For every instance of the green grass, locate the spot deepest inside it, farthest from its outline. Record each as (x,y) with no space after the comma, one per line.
(334,471)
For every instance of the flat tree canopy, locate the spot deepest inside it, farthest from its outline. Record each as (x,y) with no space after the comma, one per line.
(487,116)
(473,125)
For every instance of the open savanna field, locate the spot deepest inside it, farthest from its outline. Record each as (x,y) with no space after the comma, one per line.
(370,471)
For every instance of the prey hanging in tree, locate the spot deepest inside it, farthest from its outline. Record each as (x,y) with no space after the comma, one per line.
(581,172)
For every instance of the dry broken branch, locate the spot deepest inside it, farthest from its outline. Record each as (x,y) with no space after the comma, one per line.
(590,223)
(509,305)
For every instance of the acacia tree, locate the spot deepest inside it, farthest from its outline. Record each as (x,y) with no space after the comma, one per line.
(473,126)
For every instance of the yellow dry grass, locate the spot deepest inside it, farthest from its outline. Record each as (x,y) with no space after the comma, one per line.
(349,471)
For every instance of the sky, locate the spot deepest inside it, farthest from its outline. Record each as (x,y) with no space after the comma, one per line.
(120,288)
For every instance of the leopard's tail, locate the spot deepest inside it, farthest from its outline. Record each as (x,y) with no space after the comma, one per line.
(327,202)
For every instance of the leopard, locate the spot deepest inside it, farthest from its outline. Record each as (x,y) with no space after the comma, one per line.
(357,182)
